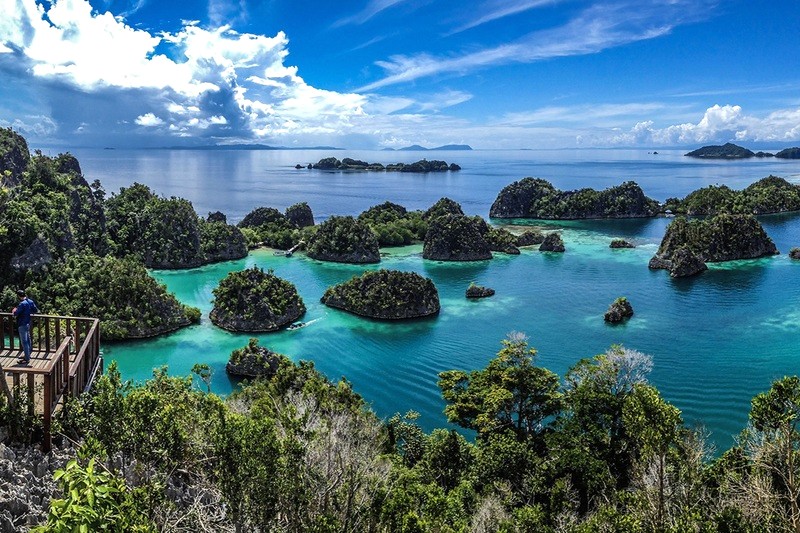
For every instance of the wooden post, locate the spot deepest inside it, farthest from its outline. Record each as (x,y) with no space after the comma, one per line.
(31,384)
(47,440)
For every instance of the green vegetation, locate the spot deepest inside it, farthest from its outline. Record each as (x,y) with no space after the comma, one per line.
(538,198)
(725,151)
(768,195)
(443,206)
(266,226)
(599,451)
(385,294)
(720,238)
(120,292)
(393,225)
(254,300)
(456,238)
(167,233)
(423,165)
(344,240)
(14,156)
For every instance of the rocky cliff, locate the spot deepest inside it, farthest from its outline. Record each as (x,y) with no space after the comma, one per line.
(538,198)
(721,238)
(456,238)
(344,240)
(253,300)
(386,295)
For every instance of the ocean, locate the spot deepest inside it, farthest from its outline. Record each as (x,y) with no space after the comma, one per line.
(716,339)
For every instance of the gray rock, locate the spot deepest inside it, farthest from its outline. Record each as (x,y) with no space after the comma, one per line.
(552,243)
(34,257)
(7,453)
(6,523)
(618,311)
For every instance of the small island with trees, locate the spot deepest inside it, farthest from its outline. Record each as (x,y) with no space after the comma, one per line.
(253,300)
(385,295)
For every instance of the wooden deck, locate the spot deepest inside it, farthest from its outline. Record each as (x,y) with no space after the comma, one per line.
(65,361)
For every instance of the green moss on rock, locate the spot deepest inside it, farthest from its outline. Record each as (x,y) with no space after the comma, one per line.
(385,295)
(254,300)
(344,240)
(538,198)
(456,238)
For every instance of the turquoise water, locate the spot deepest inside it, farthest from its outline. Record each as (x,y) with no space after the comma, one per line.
(716,340)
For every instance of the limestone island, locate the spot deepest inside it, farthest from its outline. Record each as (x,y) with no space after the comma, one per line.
(266,226)
(394,225)
(767,195)
(789,153)
(344,240)
(620,243)
(619,310)
(476,291)
(538,198)
(385,295)
(456,238)
(794,253)
(725,151)
(166,232)
(421,166)
(552,243)
(255,301)
(253,361)
(688,245)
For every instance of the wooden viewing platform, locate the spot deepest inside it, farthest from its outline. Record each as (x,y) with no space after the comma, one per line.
(65,361)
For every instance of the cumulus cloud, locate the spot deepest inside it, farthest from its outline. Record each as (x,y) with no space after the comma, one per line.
(212,82)
(720,123)
(148,119)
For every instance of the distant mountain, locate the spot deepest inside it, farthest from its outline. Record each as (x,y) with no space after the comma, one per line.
(446,147)
(248,147)
(789,153)
(726,151)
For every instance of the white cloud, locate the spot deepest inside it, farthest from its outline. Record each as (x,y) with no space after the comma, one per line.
(497,9)
(208,74)
(719,124)
(597,28)
(372,8)
(149,120)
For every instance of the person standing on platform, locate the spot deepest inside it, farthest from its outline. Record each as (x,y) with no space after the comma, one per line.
(23,312)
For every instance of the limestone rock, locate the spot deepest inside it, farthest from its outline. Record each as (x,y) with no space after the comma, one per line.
(720,238)
(552,243)
(34,257)
(385,295)
(253,361)
(685,263)
(456,238)
(253,300)
(621,243)
(618,311)
(300,215)
(538,198)
(14,156)
(794,253)
(476,291)
(344,240)
(530,238)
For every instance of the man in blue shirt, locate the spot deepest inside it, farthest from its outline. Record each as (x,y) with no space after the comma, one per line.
(23,312)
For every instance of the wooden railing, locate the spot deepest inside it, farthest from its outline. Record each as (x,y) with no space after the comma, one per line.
(67,360)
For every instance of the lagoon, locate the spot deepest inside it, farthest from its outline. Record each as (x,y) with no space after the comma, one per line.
(716,340)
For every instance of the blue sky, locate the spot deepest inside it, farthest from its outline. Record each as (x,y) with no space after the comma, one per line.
(388,73)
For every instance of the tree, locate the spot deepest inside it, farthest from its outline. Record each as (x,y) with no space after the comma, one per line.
(772,445)
(509,394)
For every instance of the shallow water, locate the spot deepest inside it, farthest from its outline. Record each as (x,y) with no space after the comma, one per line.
(716,340)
